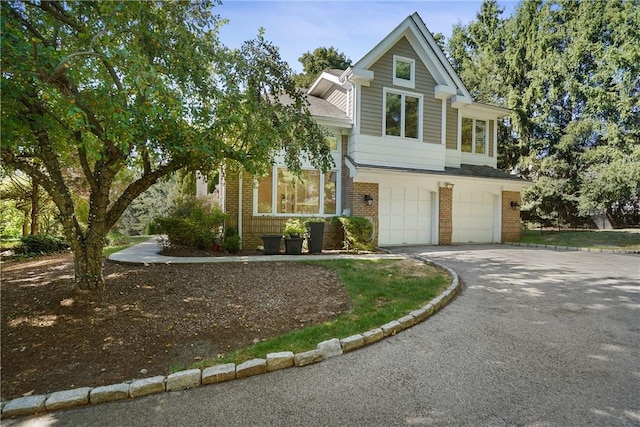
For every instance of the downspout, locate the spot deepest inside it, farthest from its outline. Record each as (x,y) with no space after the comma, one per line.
(240,208)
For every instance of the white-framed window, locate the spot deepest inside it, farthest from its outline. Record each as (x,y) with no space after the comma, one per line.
(475,136)
(402,114)
(404,71)
(281,193)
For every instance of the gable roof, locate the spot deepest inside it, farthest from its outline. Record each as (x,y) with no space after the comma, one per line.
(425,46)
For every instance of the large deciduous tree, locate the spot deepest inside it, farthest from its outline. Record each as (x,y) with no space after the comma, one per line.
(322,58)
(100,88)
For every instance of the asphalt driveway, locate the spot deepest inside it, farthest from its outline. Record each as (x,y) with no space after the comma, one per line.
(537,337)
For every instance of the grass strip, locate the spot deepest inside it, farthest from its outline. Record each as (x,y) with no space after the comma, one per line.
(607,239)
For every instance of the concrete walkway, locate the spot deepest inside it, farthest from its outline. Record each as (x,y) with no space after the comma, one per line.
(147,252)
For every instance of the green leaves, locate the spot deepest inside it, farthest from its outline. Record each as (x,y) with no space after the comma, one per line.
(571,72)
(91,89)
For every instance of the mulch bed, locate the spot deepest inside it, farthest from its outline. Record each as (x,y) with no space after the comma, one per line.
(150,318)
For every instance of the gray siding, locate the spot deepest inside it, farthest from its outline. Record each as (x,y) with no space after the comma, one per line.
(338,97)
(371,101)
(452,127)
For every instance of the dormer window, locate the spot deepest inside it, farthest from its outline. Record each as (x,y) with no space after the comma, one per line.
(404,71)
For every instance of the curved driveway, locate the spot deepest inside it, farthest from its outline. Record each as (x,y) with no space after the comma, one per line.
(537,337)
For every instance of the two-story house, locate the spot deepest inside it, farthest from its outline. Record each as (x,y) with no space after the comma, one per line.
(413,153)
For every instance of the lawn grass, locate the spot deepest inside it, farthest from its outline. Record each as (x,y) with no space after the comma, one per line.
(123,244)
(380,291)
(628,239)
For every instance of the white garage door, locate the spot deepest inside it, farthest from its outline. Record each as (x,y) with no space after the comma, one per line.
(473,218)
(404,215)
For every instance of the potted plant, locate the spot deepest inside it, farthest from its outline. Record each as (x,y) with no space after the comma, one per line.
(315,227)
(271,243)
(294,231)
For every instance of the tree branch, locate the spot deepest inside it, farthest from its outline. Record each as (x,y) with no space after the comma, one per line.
(82,155)
(138,187)
(27,25)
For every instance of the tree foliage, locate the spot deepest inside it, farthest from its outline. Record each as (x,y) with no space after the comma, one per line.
(571,73)
(96,91)
(322,58)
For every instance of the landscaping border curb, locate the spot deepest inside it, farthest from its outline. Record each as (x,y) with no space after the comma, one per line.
(66,399)
(572,248)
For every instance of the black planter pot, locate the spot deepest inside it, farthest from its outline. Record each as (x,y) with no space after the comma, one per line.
(293,245)
(271,244)
(316,234)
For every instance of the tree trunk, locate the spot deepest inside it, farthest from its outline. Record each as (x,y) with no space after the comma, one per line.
(35,208)
(25,223)
(88,267)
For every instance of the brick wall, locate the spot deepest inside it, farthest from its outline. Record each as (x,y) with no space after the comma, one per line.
(360,208)
(255,226)
(446,216)
(510,217)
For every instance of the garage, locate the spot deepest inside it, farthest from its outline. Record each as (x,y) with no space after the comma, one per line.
(405,215)
(473,216)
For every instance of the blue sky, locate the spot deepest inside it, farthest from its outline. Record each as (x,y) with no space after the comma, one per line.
(352,27)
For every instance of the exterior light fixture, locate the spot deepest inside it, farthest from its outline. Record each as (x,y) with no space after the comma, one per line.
(368,199)
(514,205)
(448,185)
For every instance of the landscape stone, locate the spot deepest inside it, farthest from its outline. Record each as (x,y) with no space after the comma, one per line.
(147,386)
(307,358)
(436,302)
(24,406)
(109,393)
(330,348)
(184,379)
(420,315)
(281,360)
(351,343)
(407,321)
(68,398)
(219,373)
(374,335)
(391,328)
(251,367)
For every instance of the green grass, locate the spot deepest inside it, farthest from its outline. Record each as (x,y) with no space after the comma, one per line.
(380,291)
(628,239)
(128,241)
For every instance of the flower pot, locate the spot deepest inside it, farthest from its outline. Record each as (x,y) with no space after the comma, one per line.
(293,245)
(316,234)
(271,244)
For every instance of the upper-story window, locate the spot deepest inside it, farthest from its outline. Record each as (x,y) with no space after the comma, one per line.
(404,71)
(402,114)
(474,136)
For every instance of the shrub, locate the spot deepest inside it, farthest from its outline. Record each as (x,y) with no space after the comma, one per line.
(192,222)
(231,244)
(42,244)
(115,238)
(357,232)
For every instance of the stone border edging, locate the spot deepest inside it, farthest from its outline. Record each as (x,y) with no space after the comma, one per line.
(66,399)
(572,248)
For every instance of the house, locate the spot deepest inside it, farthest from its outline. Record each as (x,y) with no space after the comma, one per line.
(413,153)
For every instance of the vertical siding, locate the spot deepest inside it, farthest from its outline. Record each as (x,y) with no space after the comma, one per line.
(338,97)
(452,127)
(371,103)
